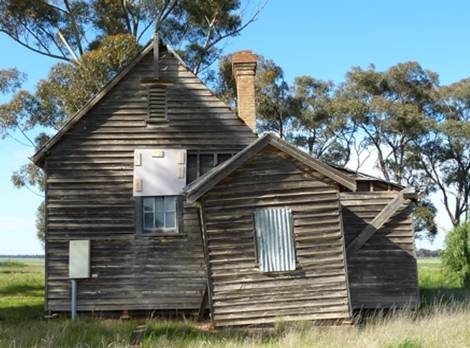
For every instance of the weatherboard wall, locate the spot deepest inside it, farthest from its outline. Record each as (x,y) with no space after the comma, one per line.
(89,194)
(243,295)
(383,272)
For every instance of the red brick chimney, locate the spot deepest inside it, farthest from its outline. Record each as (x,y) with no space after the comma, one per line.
(244,70)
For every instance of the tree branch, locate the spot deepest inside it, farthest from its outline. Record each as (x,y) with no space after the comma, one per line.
(47,54)
(75,26)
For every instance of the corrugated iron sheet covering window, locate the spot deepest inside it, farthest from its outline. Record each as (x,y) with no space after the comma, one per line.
(275,239)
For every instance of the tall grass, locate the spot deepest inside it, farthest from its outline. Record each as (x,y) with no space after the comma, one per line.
(440,322)
(442,327)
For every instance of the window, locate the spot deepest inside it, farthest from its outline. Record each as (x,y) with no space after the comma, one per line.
(275,246)
(160,214)
(200,163)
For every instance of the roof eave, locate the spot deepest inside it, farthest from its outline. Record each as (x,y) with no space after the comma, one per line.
(195,190)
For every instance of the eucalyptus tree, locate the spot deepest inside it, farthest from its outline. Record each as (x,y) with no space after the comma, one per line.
(442,155)
(393,110)
(92,40)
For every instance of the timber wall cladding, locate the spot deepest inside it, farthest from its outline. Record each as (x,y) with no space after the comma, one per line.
(383,272)
(89,194)
(241,294)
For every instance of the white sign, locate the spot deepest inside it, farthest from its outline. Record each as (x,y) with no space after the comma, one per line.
(79,259)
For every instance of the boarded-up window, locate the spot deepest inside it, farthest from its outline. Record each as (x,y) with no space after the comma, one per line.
(275,245)
(157,104)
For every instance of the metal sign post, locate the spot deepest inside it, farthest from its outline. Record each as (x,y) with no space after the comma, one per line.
(79,268)
(73,300)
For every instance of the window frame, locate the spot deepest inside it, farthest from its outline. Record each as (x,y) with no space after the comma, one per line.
(216,155)
(139,218)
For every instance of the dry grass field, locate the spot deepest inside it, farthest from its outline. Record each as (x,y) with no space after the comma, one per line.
(442,321)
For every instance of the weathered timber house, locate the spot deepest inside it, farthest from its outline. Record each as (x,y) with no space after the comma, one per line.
(181,206)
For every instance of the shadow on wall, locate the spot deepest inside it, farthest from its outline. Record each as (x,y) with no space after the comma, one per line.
(91,196)
(383,273)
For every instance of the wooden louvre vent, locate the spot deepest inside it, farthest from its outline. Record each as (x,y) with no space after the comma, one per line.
(157,111)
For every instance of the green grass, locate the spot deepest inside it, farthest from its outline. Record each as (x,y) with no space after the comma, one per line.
(437,285)
(445,310)
(21,290)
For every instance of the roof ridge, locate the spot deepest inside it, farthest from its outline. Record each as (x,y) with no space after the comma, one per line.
(206,182)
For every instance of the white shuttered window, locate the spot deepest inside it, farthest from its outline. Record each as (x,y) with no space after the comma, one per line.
(275,244)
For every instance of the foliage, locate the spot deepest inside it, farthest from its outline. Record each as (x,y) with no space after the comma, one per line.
(456,255)
(392,109)
(41,222)
(317,126)
(10,80)
(225,87)
(70,85)
(418,129)
(66,30)
(302,113)
(94,40)
(276,106)
(442,155)
(424,219)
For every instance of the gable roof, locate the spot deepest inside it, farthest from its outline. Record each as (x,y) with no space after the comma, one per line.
(38,157)
(207,181)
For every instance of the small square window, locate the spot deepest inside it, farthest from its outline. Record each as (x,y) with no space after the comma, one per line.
(160,213)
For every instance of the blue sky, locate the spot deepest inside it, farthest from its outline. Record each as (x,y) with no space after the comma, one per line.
(323,39)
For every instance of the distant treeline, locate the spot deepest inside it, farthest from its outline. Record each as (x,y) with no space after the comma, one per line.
(428,253)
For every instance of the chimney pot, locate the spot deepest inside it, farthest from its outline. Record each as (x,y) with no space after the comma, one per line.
(244,71)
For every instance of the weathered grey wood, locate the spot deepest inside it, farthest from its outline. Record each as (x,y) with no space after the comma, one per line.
(89,167)
(204,184)
(241,294)
(156,56)
(377,222)
(204,303)
(89,193)
(209,286)
(383,273)
(40,154)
